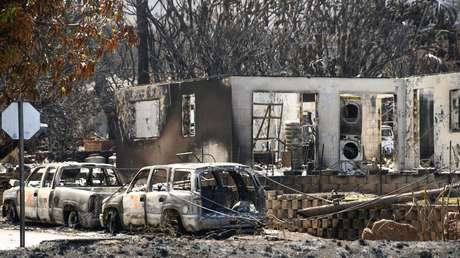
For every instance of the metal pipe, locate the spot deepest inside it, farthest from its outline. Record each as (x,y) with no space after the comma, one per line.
(21,172)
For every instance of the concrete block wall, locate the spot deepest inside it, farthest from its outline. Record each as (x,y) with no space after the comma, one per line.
(328,91)
(429,221)
(371,130)
(371,184)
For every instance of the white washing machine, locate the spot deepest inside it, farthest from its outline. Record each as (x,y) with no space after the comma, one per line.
(351,149)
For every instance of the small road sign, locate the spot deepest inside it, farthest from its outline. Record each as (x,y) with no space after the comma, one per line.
(21,121)
(10,121)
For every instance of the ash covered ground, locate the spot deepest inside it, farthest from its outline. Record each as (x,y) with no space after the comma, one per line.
(266,244)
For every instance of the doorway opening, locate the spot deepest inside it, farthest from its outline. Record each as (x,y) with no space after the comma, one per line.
(284,126)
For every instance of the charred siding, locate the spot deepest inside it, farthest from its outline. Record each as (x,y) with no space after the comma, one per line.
(213,124)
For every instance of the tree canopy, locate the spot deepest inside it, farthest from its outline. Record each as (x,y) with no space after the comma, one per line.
(336,38)
(55,44)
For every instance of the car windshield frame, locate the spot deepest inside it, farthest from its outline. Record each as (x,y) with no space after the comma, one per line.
(90,171)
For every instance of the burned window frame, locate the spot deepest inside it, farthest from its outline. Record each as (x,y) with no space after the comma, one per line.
(156,104)
(452,128)
(48,179)
(136,177)
(161,186)
(173,180)
(189,128)
(32,174)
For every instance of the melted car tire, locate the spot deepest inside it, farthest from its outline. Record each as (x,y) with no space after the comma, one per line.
(73,220)
(173,221)
(11,215)
(113,222)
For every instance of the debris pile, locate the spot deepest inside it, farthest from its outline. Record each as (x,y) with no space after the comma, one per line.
(452,226)
(390,230)
(284,213)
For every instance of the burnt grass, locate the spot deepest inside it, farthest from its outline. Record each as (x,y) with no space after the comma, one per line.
(162,245)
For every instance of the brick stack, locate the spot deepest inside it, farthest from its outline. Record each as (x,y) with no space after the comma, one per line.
(282,214)
(427,220)
(286,205)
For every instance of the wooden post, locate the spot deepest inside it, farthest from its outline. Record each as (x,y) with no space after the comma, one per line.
(380,201)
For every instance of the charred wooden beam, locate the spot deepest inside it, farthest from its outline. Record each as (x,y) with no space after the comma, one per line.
(379,201)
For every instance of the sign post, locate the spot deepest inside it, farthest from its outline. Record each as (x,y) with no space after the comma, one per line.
(13,124)
(22,233)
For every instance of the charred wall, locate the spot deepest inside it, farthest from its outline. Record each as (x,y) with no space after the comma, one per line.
(433,120)
(327,90)
(213,124)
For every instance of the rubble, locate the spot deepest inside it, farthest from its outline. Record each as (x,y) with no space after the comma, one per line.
(452,226)
(390,230)
(379,201)
(269,245)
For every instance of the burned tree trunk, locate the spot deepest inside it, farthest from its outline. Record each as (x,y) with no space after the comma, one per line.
(143,48)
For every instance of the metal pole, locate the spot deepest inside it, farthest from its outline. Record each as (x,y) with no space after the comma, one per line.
(450,162)
(22,238)
(380,169)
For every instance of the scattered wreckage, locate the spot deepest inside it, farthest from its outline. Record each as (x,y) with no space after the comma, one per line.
(67,193)
(190,197)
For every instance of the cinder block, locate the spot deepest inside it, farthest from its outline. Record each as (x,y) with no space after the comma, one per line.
(326,179)
(335,222)
(305,203)
(282,214)
(316,223)
(276,204)
(306,223)
(320,232)
(329,187)
(306,180)
(291,213)
(315,180)
(373,179)
(341,180)
(271,195)
(368,188)
(295,204)
(387,188)
(268,204)
(326,223)
(285,204)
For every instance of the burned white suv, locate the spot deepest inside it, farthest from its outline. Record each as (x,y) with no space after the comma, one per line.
(67,193)
(190,197)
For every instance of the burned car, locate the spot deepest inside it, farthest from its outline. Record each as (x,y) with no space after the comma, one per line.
(66,193)
(190,197)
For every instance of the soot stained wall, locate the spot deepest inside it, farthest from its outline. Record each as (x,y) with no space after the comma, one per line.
(213,124)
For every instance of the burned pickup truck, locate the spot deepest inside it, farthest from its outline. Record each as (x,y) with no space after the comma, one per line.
(190,198)
(67,193)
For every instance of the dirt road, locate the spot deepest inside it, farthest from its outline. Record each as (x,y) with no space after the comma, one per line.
(35,234)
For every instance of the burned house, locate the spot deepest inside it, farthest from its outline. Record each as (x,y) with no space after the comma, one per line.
(342,124)
(159,121)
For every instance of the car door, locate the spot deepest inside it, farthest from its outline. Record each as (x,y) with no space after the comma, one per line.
(32,185)
(45,195)
(134,199)
(157,196)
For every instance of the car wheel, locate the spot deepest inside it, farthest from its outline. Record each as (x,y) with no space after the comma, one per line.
(11,215)
(173,222)
(73,220)
(113,222)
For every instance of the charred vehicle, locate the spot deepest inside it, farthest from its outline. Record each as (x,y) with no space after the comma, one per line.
(189,197)
(67,193)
